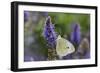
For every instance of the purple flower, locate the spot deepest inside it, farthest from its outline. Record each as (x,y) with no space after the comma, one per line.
(69,56)
(49,33)
(28,58)
(35,58)
(87,55)
(76,34)
(31,55)
(45,14)
(26,15)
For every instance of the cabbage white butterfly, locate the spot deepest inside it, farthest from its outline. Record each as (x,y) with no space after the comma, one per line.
(63,47)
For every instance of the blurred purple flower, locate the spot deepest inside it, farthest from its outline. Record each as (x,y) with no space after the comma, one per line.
(45,14)
(49,33)
(76,34)
(87,55)
(69,56)
(34,58)
(26,15)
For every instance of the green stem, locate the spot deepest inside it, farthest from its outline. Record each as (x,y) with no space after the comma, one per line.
(52,54)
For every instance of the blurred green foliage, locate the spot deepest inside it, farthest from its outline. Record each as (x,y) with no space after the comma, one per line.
(63,22)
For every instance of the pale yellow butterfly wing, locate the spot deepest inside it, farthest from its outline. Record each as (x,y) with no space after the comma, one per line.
(63,47)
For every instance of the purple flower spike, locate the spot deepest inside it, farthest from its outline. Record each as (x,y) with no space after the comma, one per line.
(76,34)
(49,33)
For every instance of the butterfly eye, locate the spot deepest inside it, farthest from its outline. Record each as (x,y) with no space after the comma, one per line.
(68,47)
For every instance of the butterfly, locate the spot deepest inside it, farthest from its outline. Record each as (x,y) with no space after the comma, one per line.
(63,47)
